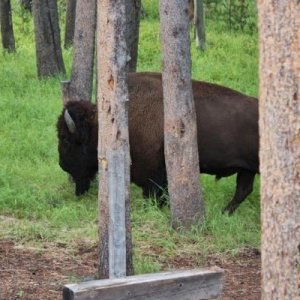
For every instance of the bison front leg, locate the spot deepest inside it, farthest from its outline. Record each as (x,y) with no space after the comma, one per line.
(156,187)
(244,187)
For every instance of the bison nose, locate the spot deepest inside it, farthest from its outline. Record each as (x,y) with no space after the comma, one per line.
(82,187)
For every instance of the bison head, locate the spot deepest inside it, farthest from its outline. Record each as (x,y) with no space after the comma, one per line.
(77,131)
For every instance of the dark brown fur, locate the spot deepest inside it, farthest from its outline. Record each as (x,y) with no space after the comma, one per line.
(227,123)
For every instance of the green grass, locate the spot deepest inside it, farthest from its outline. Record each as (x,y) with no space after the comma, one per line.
(37,202)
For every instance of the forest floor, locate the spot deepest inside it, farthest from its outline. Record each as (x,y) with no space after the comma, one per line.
(39,273)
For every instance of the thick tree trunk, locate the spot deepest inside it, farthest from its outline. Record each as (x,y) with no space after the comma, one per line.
(47,37)
(279,109)
(132,36)
(7,33)
(80,86)
(199,24)
(181,150)
(70,22)
(113,153)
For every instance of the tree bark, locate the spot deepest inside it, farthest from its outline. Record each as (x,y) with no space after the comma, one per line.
(181,150)
(199,24)
(80,86)
(132,34)
(26,4)
(7,33)
(279,110)
(47,37)
(70,23)
(113,153)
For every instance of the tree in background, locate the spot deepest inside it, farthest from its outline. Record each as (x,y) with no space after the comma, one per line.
(7,33)
(279,110)
(133,11)
(113,147)
(239,15)
(47,38)
(70,22)
(199,24)
(26,4)
(81,84)
(196,15)
(181,150)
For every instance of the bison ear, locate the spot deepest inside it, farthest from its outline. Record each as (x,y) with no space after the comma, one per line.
(69,122)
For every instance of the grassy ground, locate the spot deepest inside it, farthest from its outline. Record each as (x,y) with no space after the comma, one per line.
(37,202)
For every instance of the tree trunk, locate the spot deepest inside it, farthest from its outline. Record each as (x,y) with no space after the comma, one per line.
(181,150)
(113,155)
(26,4)
(191,10)
(47,37)
(70,23)
(132,35)
(80,86)
(199,24)
(7,33)
(279,110)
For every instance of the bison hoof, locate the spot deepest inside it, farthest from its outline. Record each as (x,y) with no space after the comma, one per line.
(229,209)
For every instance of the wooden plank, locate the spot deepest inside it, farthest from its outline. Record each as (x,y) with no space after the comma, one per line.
(117,226)
(198,284)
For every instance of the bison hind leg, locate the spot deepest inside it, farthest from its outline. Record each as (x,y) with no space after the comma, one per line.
(244,187)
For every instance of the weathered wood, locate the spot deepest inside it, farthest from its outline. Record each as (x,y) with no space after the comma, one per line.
(117,226)
(279,112)
(181,285)
(180,130)
(113,142)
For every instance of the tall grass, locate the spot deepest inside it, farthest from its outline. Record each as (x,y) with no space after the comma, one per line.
(37,202)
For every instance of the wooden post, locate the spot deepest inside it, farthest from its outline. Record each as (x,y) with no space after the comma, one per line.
(115,257)
(189,284)
(117,224)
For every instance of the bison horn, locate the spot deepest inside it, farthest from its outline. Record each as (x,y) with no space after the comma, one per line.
(69,121)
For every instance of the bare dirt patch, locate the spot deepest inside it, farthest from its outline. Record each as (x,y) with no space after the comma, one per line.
(40,273)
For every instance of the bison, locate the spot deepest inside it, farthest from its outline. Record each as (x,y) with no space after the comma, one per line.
(227,124)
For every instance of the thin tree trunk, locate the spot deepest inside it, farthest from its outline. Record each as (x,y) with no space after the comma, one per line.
(47,37)
(26,4)
(80,86)
(199,24)
(279,109)
(181,150)
(114,157)
(70,23)
(133,25)
(7,33)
